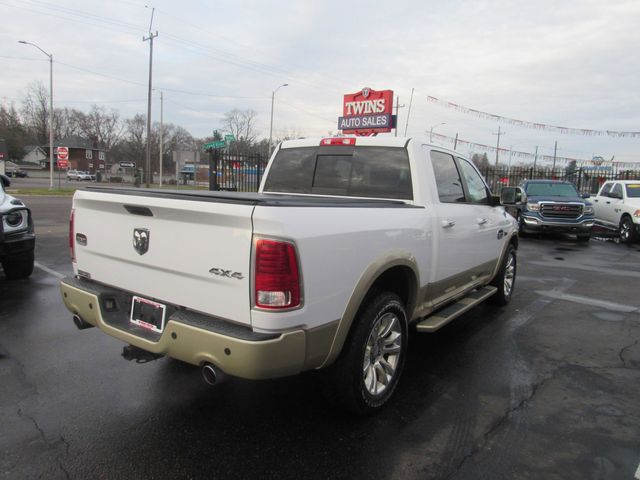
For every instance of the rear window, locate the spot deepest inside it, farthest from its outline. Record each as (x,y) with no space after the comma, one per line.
(378,172)
(633,190)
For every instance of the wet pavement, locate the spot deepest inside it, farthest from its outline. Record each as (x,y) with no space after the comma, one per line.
(547,387)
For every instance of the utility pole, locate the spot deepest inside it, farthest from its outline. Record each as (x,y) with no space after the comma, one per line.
(148,162)
(455,141)
(397,107)
(555,150)
(161,133)
(535,159)
(406,126)
(498,145)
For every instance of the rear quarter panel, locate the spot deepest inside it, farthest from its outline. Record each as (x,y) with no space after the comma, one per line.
(336,246)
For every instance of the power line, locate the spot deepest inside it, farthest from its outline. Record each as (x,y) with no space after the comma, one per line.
(307,112)
(112,77)
(176,90)
(24,58)
(112,24)
(62,17)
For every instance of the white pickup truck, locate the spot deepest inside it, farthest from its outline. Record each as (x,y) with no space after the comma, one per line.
(348,243)
(617,206)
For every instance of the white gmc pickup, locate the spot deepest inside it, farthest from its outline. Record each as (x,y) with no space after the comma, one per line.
(348,243)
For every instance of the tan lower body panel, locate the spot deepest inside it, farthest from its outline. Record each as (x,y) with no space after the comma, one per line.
(288,354)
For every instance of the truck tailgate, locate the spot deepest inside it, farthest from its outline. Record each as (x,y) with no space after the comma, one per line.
(198,253)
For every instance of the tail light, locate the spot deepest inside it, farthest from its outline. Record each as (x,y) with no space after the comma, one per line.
(335,141)
(277,277)
(72,246)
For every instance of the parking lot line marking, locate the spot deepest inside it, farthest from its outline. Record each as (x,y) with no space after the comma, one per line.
(616,307)
(48,270)
(588,268)
(637,475)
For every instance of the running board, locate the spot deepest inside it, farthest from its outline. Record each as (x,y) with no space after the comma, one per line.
(444,316)
(604,231)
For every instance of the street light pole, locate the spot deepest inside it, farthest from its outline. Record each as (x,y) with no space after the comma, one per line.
(273,96)
(50,109)
(431,131)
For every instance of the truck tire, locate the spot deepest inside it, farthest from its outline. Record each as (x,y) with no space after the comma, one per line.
(18,267)
(584,238)
(521,232)
(367,372)
(627,230)
(505,280)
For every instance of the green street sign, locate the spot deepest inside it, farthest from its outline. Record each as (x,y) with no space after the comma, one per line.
(229,138)
(210,145)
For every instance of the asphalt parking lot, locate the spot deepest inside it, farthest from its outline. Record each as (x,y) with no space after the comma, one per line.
(546,388)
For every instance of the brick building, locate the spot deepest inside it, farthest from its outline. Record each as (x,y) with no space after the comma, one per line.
(83,154)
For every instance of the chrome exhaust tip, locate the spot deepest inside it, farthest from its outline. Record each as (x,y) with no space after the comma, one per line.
(212,375)
(80,322)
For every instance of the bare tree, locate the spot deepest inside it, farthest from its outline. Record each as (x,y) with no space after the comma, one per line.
(241,124)
(134,143)
(12,130)
(66,122)
(174,138)
(101,126)
(35,112)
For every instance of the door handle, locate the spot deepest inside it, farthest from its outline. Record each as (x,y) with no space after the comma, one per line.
(482,221)
(448,223)
(608,203)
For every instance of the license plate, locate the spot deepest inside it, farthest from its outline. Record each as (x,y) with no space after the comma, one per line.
(148,314)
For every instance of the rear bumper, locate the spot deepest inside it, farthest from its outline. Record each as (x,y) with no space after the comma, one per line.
(531,224)
(199,339)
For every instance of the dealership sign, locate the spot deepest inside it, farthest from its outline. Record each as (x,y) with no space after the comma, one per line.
(367,112)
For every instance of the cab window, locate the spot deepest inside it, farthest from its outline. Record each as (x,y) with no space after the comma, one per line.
(477,190)
(616,191)
(605,189)
(447,178)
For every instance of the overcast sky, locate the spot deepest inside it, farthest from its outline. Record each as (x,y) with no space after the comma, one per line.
(574,64)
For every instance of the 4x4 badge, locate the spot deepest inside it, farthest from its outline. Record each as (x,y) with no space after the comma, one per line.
(141,240)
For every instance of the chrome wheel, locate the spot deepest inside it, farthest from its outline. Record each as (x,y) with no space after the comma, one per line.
(625,230)
(382,354)
(509,275)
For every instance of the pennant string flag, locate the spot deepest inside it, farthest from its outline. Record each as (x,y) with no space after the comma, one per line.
(532,125)
(514,154)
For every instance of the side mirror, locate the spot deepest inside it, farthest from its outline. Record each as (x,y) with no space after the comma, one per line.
(5,181)
(586,195)
(495,201)
(512,196)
